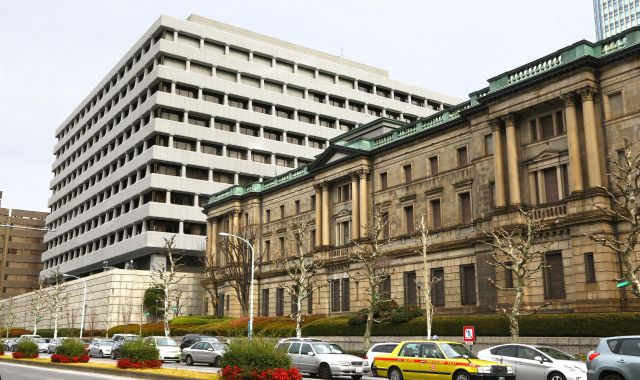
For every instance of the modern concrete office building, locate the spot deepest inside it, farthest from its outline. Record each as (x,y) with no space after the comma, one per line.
(542,136)
(615,16)
(21,247)
(193,107)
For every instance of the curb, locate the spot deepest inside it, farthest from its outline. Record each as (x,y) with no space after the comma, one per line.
(106,371)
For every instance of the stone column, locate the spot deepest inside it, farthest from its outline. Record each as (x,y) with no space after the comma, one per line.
(325,214)
(213,241)
(498,164)
(364,209)
(236,221)
(512,159)
(575,162)
(355,208)
(594,165)
(318,215)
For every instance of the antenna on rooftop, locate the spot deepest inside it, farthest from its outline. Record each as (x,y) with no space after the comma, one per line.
(340,52)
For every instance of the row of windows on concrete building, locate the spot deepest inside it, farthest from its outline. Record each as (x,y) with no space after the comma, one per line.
(340,290)
(198,67)
(123,234)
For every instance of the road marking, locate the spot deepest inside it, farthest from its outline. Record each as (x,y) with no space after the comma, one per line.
(66,371)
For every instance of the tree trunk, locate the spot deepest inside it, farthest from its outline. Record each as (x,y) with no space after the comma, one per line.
(367,331)
(429,313)
(631,274)
(514,323)
(299,317)
(55,325)
(35,327)
(165,317)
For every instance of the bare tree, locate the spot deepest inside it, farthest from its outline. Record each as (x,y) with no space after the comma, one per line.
(39,304)
(167,278)
(236,263)
(301,267)
(516,250)
(10,315)
(108,317)
(92,319)
(212,279)
(372,266)
(126,314)
(625,198)
(58,295)
(426,239)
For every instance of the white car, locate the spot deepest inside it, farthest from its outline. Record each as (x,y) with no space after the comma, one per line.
(380,348)
(167,347)
(43,344)
(100,348)
(533,362)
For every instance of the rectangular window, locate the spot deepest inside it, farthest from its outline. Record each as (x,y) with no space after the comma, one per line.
(407,173)
(238,103)
(386,228)
(433,165)
(267,249)
(462,157)
(533,130)
(297,207)
(306,118)
(488,144)
(199,121)
(551,184)
(436,215)
(344,193)
(335,295)
(468,284)
(553,274)
(272,134)
(281,245)
(189,92)
(408,219)
(410,289)
(310,303)
(249,130)
(295,139)
(261,108)
(336,102)
(345,294)
(564,172)
(465,208)
(224,125)
(437,287)
(615,105)
(589,268)
(265,303)
(267,216)
(237,153)
(560,122)
(385,289)
(197,173)
(184,144)
(279,302)
(316,143)
(281,211)
(508,276)
(546,127)
(383,181)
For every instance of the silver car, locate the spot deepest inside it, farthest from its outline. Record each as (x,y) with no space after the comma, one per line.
(54,343)
(532,362)
(167,348)
(615,358)
(323,359)
(204,352)
(100,348)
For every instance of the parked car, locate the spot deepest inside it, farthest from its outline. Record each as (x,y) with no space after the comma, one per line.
(204,352)
(317,357)
(190,339)
(533,362)
(43,345)
(429,360)
(29,336)
(167,347)
(379,348)
(54,343)
(10,343)
(100,348)
(615,358)
(119,339)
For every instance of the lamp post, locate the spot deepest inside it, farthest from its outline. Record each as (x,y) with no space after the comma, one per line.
(84,300)
(250,327)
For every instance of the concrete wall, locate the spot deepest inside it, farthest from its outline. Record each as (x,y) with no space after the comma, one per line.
(113,298)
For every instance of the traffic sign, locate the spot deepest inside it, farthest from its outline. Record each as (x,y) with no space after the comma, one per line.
(469,334)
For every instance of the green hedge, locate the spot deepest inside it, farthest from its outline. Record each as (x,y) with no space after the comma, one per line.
(257,354)
(48,333)
(139,351)
(70,348)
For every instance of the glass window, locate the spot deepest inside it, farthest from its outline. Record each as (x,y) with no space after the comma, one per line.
(555,353)
(410,350)
(306,349)
(431,350)
(294,348)
(630,347)
(510,351)
(527,353)
(453,351)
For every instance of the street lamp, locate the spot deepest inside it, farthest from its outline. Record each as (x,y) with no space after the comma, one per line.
(84,300)
(250,327)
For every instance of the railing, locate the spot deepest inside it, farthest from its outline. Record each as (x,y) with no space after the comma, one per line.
(556,210)
(335,253)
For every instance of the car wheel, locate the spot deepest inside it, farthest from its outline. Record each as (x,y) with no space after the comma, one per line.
(395,374)
(612,376)
(325,371)
(216,362)
(188,360)
(313,375)
(100,354)
(556,376)
(113,355)
(461,375)
(48,350)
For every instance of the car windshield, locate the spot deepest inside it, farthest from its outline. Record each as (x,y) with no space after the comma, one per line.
(454,350)
(555,353)
(130,338)
(106,343)
(326,348)
(219,346)
(209,339)
(42,341)
(166,342)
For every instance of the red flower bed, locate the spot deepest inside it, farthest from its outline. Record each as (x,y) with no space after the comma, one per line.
(21,355)
(237,373)
(127,363)
(1,353)
(57,358)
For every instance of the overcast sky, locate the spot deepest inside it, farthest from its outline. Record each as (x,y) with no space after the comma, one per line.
(53,53)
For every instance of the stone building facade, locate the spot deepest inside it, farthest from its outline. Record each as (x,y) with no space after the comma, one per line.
(538,136)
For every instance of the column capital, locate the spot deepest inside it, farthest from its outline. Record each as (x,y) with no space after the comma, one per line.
(587,93)
(324,185)
(363,173)
(354,176)
(235,212)
(569,99)
(509,119)
(495,125)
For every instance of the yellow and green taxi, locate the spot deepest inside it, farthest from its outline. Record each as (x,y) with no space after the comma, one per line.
(437,360)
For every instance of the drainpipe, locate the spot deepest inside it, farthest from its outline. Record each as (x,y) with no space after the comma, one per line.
(605,142)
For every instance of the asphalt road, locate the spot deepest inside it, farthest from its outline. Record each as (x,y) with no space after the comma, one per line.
(10,371)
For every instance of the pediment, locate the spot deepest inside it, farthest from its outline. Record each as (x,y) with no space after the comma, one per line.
(547,154)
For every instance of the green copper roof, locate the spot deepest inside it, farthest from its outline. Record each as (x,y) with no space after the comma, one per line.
(531,70)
